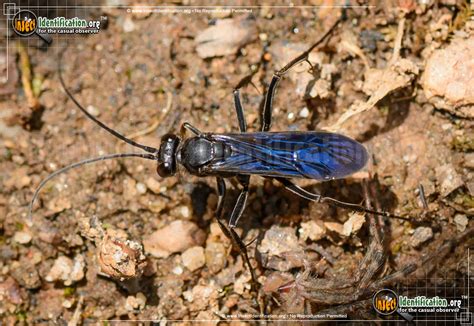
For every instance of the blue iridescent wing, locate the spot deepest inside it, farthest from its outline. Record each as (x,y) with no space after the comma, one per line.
(312,155)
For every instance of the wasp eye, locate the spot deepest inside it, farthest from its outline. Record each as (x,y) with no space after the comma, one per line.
(165,170)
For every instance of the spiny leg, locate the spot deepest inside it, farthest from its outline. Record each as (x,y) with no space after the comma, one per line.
(239,207)
(187,126)
(374,258)
(240,111)
(229,232)
(334,202)
(241,201)
(266,118)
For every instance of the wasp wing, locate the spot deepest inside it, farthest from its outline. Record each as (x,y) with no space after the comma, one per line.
(312,155)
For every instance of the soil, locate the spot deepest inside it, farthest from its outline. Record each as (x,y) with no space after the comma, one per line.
(142,76)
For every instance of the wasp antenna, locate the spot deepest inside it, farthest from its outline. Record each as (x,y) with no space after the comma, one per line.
(91,117)
(75,165)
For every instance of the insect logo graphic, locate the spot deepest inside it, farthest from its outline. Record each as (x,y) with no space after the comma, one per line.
(24,23)
(385,302)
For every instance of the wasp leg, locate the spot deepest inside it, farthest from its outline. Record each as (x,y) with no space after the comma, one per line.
(241,201)
(229,231)
(266,117)
(240,111)
(334,202)
(187,126)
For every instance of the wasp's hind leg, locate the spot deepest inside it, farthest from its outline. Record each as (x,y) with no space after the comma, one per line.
(229,231)
(266,116)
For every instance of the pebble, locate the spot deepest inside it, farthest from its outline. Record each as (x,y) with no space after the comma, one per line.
(153,185)
(178,270)
(334,227)
(469,160)
(193,258)
(67,304)
(353,224)
(226,37)
(280,249)
(141,11)
(135,302)
(10,291)
(278,240)
(121,259)
(141,188)
(311,230)
(421,235)
(201,297)
(461,222)
(448,179)
(67,270)
(22,237)
(304,113)
(445,84)
(291,116)
(128,25)
(129,189)
(185,211)
(174,237)
(215,253)
(93,110)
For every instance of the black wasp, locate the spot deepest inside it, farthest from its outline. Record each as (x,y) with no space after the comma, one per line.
(279,155)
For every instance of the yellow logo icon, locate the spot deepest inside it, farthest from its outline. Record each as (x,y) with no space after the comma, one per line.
(25,23)
(385,302)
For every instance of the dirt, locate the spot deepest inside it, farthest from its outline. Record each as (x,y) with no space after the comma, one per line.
(142,75)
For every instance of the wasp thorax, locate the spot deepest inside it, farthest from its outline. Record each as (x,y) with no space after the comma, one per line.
(166,156)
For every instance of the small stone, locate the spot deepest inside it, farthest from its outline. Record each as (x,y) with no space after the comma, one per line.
(121,259)
(22,237)
(93,110)
(178,270)
(193,258)
(215,253)
(141,188)
(67,304)
(263,37)
(226,37)
(184,211)
(137,302)
(304,113)
(334,227)
(279,240)
(448,179)
(141,11)
(128,25)
(10,291)
(153,185)
(175,237)
(311,230)
(280,249)
(421,235)
(447,85)
(461,222)
(353,224)
(66,270)
(202,296)
(129,189)
(26,274)
(469,160)
(291,116)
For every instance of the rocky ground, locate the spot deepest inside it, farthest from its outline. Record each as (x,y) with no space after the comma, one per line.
(113,240)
